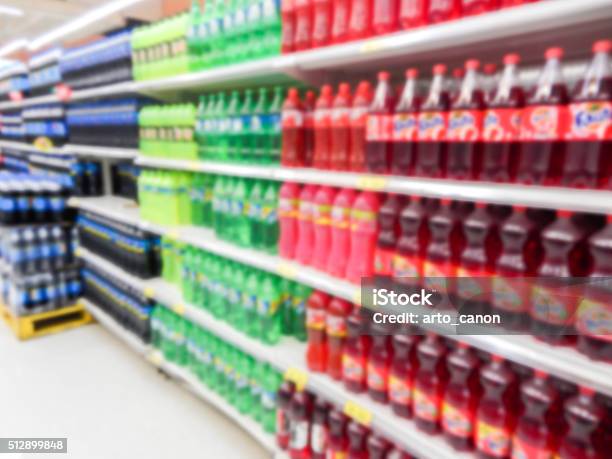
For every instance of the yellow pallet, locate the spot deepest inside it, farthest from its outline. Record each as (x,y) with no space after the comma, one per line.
(44,323)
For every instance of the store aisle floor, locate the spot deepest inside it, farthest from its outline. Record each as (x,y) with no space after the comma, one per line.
(87,386)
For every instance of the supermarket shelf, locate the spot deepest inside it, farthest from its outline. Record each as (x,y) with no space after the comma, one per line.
(597,201)
(184,377)
(100,151)
(563,362)
(29,148)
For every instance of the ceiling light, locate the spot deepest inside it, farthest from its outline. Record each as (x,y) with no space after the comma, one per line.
(13,46)
(10,11)
(81,22)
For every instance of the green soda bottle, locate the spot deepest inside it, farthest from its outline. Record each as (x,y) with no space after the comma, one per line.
(236,318)
(268,308)
(244,142)
(240,212)
(227,276)
(217,43)
(300,295)
(270,382)
(229,55)
(208,182)
(255,213)
(167,253)
(230,374)
(243,390)
(220,128)
(254,29)
(206,122)
(222,369)
(216,366)
(233,112)
(240,27)
(287,287)
(193,41)
(218,205)
(250,296)
(258,132)
(272,26)
(198,291)
(188,274)
(203,35)
(256,390)
(273,127)
(196,195)
(206,368)
(203,293)
(217,288)
(269,219)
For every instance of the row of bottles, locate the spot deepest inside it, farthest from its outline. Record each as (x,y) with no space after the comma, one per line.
(168,130)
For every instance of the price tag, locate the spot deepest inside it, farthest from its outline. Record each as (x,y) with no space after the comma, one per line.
(194,165)
(357,412)
(149,292)
(75,202)
(16,96)
(63,92)
(174,233)
(155,358)
(178,308)
(371,46)
(287,270)
(297,376)
(78,252)
(372,182)
(357,296)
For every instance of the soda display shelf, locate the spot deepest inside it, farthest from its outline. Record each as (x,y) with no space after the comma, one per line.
(570,23)
(185,378)
(579,200)
(564,362)
(289,357)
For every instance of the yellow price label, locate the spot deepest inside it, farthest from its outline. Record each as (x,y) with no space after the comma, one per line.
(194,165)
(287,270)
(372,182)
(149,292)
(178,308)
(78,252)
(297,376)
(371,46)
(155,358)
(357,412)
(76,202)
(357,296)
(174,233)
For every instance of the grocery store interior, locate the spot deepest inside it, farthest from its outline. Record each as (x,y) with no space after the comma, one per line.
(306,229)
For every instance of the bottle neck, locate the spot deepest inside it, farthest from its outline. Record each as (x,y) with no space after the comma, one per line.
(508,80)
(598,70)
(551,76)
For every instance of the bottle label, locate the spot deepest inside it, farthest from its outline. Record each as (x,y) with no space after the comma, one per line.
(405,127)
(299,435)
(318,439)
(315,319)
(383,262)
(492,440)
(590,121)
(267,307)
(379,128)
(464,126)
(292,118)
(322,118)
(288,208)
(473,284)
(321,213)
(340,217)
(523,450)
(406,266)
(333,454)
(400,390)
(432,126)
(502,125)
(359,117)
(305,212)
(377,377)
(552,306)
(594,318)
(508,294)
(335,326)
(352,369)
(456,422)
(437,275)
(544,122)
(426,406)
(340,117)
(363,220)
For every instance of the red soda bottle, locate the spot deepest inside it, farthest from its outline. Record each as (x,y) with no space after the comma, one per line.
(283,432)
(356,351)
(502,122)
(461,397)
(319,433)
(520,259)
(339,28)
(388,235)
(585,436)
(309,133)
(379,361)
(497,410)
(430,383)
(322,128)
(292,121)
(443,10)
(288,209)
(323,200)
(431,157)
(543,126)
(535,436)
(489,81)
(336,330)
(379,129)
(589,150)
(406,127)
(322,20)
(594,316)
(300,413)
(464,132)
(360,20)
(303,25)
(305,227)
(338,440)
(378,447)
(412,245)
(403,369)
(554,299)
(454,83)
(413,13)
(359,114)
(384,16)
(340,129)
(479,257)
(288,32)
(364,230)
(340,232)
(472,7)
(316,310)
(358,437)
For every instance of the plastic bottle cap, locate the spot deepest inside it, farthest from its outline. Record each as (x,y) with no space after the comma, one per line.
(481,205)
(490,68)
(383,76)
(419,198)
(554,53)
(602,46)
(512,59)
(540,374)
(445,201)
(520,209)
(497,358)
(344,88)
(458,73)
(463,345)
(439,69)
(412,73)
(587,391)
(472,64)
(564,213)
(326,90)
(293,93)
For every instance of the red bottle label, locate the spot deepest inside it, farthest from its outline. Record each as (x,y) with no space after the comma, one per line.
(315,318)
(335,326)
(544,122)
(341,117)
(438,274)
(299,435)
(456,421)
(502,125)
(406,266)
(321,214)
(426,406)
(322,118)
(336,454)
(318,439)
(464,126)
(590,121)
(363,220)
(292,118)
(379,128)
(359,117)
(340,217)
(473,284)
(432,126)
(383,262)
(594,318)
(377,377)
(492,440)
(405,127)
(555,306)
(524,450)
(288,208)
(352,369)
(400,390)
(509,294)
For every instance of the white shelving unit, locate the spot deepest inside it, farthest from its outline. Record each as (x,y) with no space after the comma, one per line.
(566,363)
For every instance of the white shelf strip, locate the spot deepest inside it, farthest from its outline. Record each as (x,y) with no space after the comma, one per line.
(73,150)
